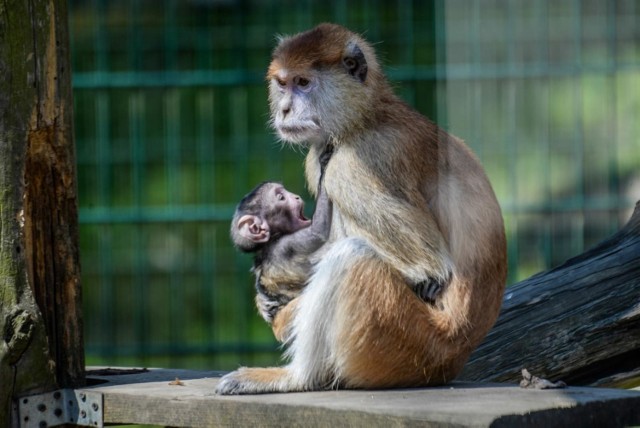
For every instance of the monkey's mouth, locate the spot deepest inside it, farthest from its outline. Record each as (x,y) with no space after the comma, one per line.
(301,217)
(297,130)
(294,129)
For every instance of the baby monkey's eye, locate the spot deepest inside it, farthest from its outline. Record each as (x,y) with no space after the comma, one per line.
(280,197)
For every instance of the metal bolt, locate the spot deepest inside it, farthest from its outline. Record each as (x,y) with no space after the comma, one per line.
(83,396)
(25,401)
(57,412)
(95,407)
(43,424)
(57,395)
(83,414)
(42,407)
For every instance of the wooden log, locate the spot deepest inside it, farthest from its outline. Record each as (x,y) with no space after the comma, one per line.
(40,322)
(579,322)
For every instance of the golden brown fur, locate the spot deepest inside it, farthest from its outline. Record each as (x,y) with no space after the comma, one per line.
(282,320)
(411,203)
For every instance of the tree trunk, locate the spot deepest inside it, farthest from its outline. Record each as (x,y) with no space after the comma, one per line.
(579,322)
(40,320)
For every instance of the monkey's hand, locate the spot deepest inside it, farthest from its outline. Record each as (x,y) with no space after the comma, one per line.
(430,289)
(325,156)
(269,305)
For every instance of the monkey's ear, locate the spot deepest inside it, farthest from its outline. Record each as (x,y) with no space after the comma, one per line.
(355,62)
(253,228)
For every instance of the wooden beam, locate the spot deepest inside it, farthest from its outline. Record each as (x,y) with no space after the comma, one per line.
(40,320)
(50,194)
(579,322)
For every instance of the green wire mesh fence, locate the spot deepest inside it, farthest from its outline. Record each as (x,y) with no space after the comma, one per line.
(171,130)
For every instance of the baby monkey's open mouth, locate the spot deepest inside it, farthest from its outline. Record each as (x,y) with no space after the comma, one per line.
(301,215)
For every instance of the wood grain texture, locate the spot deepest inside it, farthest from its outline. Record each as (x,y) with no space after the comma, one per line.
(40,323)
(153,398)
(579,322)
(50,194)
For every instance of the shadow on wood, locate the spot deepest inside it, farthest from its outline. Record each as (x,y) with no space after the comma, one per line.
(579,322)
(155,397)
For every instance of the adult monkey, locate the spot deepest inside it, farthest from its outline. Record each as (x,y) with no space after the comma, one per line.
(412,209)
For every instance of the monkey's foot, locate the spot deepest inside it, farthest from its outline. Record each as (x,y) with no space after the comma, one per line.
(255,381)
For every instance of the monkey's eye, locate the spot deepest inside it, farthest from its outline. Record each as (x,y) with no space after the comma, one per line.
(280,197)
(282,83)
(301,82)
(350,63)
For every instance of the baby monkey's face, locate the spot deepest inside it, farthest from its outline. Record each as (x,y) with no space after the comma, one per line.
(286,210)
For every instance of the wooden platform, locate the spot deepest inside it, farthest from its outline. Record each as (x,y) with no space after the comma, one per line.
(186,398)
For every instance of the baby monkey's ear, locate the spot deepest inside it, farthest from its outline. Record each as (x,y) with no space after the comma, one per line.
(253,228)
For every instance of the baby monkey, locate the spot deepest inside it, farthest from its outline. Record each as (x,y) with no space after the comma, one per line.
(270,222)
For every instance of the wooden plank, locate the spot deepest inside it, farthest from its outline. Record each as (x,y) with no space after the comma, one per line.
(155,397)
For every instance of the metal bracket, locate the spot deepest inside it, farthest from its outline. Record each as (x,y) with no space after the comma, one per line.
(64,406)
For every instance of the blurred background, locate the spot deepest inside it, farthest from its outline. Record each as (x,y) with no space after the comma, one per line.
(171,131)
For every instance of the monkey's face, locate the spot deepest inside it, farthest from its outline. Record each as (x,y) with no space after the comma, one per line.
(293,111)
(319,85)
(286,211)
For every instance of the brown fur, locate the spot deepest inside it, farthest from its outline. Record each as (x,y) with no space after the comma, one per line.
(422,207)
(282,320)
